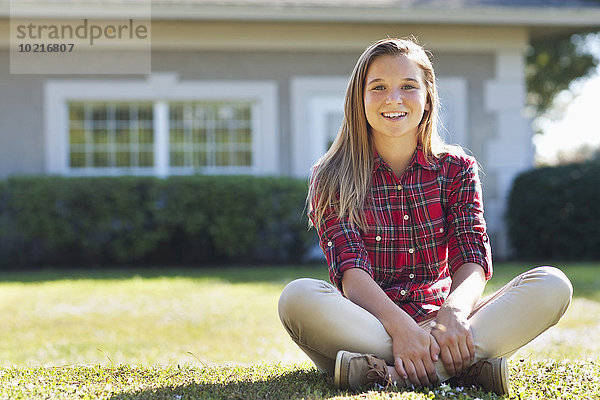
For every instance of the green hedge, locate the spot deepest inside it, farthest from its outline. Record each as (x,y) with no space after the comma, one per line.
(140,220)
(554,212)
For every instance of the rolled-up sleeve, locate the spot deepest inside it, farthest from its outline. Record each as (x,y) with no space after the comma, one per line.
(342,245)
(468,241)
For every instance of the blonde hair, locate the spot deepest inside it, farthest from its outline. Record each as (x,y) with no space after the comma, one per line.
(342,177)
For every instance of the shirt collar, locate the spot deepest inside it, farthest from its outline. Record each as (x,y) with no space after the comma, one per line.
(418,158)
(432,165)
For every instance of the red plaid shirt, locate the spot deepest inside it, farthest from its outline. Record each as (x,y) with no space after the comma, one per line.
(431,223)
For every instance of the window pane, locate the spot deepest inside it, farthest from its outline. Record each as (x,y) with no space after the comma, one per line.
(245,158)
(110,135)
(100,136)
(145,136)
(99,112)
(145,113)
(76,113)
(222,158)
(200,112)
(77,136)
(101,159)
(213,133)
(122,112)
(123,136)
(77,160)
(176,159)
(199,135)
(176,113)
(200,159)
(222,136)
(146,159)
(242,113)
(243,136)
(123,159)
(226,113)
(176,136)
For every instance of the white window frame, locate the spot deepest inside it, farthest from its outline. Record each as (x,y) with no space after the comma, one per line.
(314,97)
(308,136)
(160,89)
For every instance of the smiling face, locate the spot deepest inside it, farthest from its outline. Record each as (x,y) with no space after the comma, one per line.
(395,98)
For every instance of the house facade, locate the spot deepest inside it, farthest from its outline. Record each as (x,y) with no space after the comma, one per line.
(257,87)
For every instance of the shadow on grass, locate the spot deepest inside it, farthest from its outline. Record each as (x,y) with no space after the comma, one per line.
(289,385)
(227,273)
(584,276)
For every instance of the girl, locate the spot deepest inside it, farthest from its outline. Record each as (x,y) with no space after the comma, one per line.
(399,216)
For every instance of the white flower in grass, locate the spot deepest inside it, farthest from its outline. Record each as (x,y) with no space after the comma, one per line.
(443,388)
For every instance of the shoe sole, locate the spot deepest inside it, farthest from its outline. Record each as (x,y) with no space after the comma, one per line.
(337,375)
(504,376)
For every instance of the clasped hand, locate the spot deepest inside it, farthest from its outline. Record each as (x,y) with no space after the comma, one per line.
(453,335)
(416,350)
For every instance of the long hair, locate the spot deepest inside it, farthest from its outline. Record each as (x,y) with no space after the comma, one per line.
(341,179)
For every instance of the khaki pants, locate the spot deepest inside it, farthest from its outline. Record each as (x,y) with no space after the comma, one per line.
(322,321)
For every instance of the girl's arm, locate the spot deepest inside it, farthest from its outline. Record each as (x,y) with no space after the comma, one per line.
(414,349)
(470,263)
(452,330)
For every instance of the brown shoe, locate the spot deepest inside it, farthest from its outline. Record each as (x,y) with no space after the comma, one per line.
(354,371)
(490,375)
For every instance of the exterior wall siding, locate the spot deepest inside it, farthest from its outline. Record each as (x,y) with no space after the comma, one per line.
(202,65)
(22,144)
(21,122)
(281,52)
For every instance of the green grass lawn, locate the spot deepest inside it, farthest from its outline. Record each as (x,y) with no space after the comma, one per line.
(215,334)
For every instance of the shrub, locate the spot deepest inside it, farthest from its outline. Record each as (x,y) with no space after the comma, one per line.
(141,220)
(553,212)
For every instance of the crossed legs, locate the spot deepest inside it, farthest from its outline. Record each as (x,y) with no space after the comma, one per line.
(322,322)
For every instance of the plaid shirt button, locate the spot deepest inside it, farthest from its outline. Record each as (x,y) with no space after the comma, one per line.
(378,238)
(411,250)
(411,276)
(403,292)
(406,217)
(330,243)
(399,187)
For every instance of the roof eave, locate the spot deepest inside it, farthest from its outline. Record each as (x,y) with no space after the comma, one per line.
(449,16)
(507,16)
